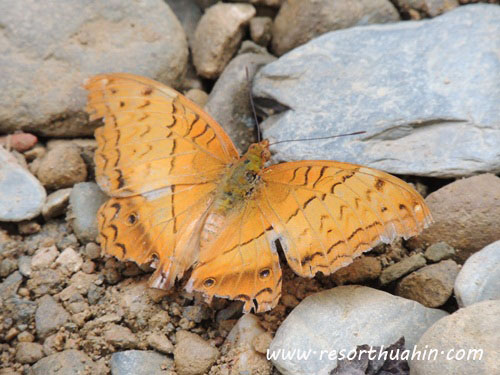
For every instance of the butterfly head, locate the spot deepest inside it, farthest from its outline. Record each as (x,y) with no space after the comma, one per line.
(258,154)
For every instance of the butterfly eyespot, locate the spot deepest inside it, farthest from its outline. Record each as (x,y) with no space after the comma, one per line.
(132,219)
(264,273)
(209,282)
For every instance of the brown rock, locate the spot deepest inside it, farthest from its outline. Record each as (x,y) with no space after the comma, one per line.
(158,341)
(120,336)
(261,30)
(192,354)
(439,251)
(261,342)
(431,285)
(360,270)
(56,203)
(299,21)
(218,35)
(466,215)
(29,352)
(197,96)
(424,8)
(62,167)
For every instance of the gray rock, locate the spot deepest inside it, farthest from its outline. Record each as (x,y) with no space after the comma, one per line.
(479,278)
(218,35)
(49,316)
(432,285)
(342,318)
(229,102)
(24,263)
(139,362)
(9,286)
(469,337)
(396,270)
(439,251)
(68,362)
(58,44)
(7,266)
(85,199)
(188,13)
(56,203)
(479,198)
(21,194)
(412,86)
(299,21)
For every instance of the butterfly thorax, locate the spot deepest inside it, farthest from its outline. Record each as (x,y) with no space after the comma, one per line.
(241,179)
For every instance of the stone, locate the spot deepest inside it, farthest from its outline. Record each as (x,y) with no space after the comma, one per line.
(425,8)
(229,102)
(341,83)
(7,266)
(465,342)
(360,270)
(68,362)
(24,263)
(197,96)
(85,199)
(218,35)
(466,215)
(432,285)
(267,3)
(299,21)
(21,194)
(239,347)
(396,270)
(261,30)
(188,13)
(29,352)
(341,319)
(62,167)
(196,313)
(479,278)
(192,354)
(56,203)
(28,227)
(45,281)
(139,362)
(159,342)
(44,258)
(92,250)
(49,316)
(20,142)
(45,61)
(120,336)
(439,251)
(69,261)
(10,284)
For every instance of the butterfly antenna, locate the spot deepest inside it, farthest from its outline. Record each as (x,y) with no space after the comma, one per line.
(252,105)
(318,138)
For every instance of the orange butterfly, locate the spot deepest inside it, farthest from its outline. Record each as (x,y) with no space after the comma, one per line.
(184,199)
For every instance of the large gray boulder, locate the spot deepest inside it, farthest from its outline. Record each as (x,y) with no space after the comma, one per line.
(425,92)
(49,48)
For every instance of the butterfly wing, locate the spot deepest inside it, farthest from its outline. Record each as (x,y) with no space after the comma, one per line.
(242,262)
(327,212)
(153,137)
(160,157)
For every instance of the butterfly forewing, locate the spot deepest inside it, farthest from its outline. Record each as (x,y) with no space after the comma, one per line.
(329,212)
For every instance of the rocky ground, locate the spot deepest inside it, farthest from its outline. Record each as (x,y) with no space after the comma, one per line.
(421,78)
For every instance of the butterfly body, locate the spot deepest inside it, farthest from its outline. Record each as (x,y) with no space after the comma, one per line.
(182,198)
